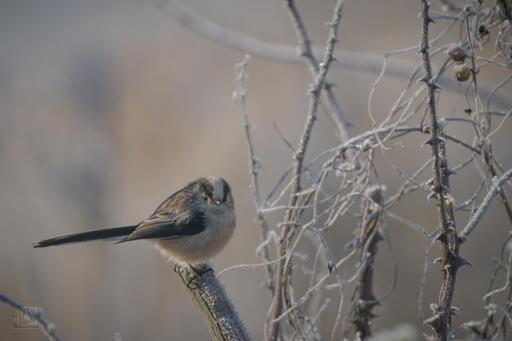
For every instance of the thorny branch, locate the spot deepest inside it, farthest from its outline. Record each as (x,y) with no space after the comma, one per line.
(313,207)
(370,234)
(450,260)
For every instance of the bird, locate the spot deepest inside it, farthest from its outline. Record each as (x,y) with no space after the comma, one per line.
(190,226)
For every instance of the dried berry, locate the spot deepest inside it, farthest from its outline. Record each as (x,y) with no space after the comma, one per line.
(482,29)
(462,72)
(458,53)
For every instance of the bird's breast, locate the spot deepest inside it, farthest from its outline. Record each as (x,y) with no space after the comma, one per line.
(200,247)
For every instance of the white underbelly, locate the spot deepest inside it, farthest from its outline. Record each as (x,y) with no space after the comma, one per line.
(196,248)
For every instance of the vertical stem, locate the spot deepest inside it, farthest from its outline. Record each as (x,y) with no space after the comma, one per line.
(364,300)
(290,215)
(254,165)
(447,235)
(306,52)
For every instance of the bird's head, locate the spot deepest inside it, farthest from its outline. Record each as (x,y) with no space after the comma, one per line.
(214,194)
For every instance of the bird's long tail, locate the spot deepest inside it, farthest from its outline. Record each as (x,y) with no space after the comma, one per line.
(88,236)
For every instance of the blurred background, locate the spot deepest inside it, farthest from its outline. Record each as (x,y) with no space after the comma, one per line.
(108,106)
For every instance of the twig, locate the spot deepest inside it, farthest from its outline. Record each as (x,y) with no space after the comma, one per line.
(47,327)
(475,219)
(307,53)
(254,164)
(364,300)
(208,294)
(287,232)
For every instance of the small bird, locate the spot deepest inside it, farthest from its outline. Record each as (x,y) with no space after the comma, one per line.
(190,226)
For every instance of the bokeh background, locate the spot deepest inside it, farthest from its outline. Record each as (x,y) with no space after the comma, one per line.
(107,107)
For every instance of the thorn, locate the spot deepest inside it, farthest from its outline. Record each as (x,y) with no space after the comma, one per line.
(450,171)
(446,190)
(435,86)
(436,235)
(331,267)
(368,304)
(329,85)
(431,141)
(378,237)
(454,310)
(434,321)
(376,303)
(459,262)
(431,196)
(434,140)
(437,260)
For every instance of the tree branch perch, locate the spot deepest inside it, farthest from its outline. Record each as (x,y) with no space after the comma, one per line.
(208,294)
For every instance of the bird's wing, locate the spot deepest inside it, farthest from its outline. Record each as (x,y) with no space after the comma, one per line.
(169,226)
(171,220)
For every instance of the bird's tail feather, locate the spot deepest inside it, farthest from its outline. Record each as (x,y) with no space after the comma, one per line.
(88,236)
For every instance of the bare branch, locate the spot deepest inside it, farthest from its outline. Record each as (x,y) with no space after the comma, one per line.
(47,327)
(364,299)
(307,53)
(287,232)
(345,59)
(254,164)
(475,219)
(440,321)
(208,294)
